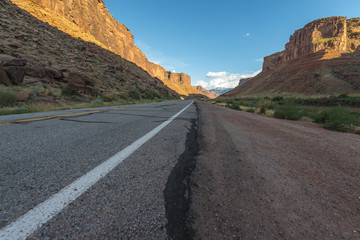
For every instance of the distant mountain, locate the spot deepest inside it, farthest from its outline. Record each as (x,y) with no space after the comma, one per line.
(220,90)
(321,58)
(209,94)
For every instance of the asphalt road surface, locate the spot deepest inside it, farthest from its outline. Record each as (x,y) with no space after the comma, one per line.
(42,154)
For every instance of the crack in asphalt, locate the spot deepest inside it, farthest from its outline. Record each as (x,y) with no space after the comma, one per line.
(177,193)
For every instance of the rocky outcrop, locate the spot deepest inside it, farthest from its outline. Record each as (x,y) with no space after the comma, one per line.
(91,21)
(38,54)
(321,58)
(209,94)
(333,34)
(12,70)
(243,81)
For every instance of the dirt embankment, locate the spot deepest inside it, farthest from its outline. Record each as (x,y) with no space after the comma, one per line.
(265,178)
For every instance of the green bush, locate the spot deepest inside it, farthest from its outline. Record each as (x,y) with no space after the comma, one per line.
(337,119)
(123,96)
(150,94)
(251,110)
(69,92)
(97,103)
(262,110)
(7,98)
(278,98)
(106,98)
(289,112)
(343,95)
(134,94)
(233,105)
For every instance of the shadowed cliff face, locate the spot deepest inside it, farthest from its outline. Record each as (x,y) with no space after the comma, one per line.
(321,58)
(91,21)
(35,54)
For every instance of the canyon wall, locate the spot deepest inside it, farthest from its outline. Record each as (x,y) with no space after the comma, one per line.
(91,21)
(321,58)
(332,34)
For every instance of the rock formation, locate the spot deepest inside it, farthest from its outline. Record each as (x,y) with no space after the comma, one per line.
(209,94)
(321,58)
(91,21)
(35,55)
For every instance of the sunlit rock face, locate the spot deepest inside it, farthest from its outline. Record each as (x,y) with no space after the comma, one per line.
(321,58)
(91,21)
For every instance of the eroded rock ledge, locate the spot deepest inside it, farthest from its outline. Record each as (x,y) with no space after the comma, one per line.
(91,21)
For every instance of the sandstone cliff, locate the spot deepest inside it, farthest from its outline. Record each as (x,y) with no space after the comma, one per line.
(43,61)
(209,94)
(91,21)
(321,58)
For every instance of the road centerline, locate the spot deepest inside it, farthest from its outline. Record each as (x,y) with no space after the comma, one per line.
(25,225)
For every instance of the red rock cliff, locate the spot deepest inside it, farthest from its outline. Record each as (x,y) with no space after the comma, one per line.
(333,34)
(321,58)
(91,21)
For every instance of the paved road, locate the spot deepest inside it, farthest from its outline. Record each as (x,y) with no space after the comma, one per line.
(39,158)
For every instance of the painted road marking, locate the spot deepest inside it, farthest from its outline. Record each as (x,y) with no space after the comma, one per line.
(25,225)
(66,115)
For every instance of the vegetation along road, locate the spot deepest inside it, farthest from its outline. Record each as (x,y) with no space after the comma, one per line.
(176,170)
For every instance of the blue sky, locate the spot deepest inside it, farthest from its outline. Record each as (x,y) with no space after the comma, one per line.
(217,42)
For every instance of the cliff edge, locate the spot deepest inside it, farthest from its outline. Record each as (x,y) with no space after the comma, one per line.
(321,58)
(91,21)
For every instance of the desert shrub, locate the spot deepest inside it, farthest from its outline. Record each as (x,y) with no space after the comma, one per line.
(150,94)
(251,110)
(106,98)
(69,92)
(134,94)
(97,103)
(277,98)
(262,110)
(54,92)
(289,112)
(264,104)
(7,98)
(343,95)
(233,105)
(337,119)
(76,98)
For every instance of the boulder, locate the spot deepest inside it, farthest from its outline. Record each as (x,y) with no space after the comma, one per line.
(4,79)
(36,71)
(6,60)
(79,79)
(33,81)
(16,74)
(53,73)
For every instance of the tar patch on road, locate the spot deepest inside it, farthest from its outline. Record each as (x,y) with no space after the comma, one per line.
(178,188)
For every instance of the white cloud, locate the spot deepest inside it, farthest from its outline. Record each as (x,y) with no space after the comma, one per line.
(259,60)
(201,83)
(216,74)
(224,79)
(247,35)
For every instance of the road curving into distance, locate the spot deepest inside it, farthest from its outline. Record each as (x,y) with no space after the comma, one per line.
(93,173)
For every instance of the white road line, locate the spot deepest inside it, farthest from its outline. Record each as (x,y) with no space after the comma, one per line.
(25,225)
